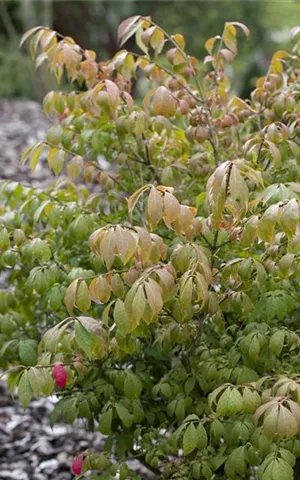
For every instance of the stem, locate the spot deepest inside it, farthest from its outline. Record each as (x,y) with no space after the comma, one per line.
(196,341)
(205,239)
(169,72)
(183,53)
(93,164)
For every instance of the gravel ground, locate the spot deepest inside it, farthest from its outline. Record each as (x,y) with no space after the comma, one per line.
(22,124)
(29,448)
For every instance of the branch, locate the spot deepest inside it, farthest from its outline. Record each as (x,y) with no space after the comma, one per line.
(190,352)
(198,336)
(115,180)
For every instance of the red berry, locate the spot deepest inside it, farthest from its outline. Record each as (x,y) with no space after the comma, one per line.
(77,465)
(60,375)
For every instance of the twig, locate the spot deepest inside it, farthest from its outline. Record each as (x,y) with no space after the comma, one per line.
(93,164)
(197,338)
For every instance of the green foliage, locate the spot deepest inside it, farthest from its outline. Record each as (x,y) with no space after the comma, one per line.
(166,296)
(16,72)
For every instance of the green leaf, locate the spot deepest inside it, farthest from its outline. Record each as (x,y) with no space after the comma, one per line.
(132,386)
(278,469)
(277,342)
(202,437)
(84,338)
(35,156)
(222,407)
(48,382)
(139,304)
(124,415)
(83,297)
(290,217)
(122,319)
(235,402)
(36,380)
(70,296)
(69,410)
(190,439)
(25,390)
(105,422)
(28,352)
(56,161)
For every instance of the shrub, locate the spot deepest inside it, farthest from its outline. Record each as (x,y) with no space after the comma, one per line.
(161,303)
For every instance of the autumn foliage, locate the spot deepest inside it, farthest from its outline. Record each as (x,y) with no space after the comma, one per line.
(154,287)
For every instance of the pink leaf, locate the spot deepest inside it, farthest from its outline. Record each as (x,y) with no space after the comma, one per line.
(60,375)
(77,465)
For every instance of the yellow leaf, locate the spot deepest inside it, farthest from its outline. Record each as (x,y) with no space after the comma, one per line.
(35,156)
(70,296)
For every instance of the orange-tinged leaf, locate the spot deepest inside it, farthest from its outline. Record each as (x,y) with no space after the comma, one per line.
(48,39)
(56,159)
(163,102)
(166,277)
(75,166)
(287,424)
(145,242)
(108,248)
(89,69)
(227,54)
(154,296)
(113,94)
(117,286)
(100,290)
(171,207)
(184,219)
(154,207)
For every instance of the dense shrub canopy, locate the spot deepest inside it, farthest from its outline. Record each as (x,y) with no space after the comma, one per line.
(155,290)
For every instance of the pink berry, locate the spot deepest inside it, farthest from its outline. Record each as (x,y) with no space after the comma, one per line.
(77,465)
(60,375)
